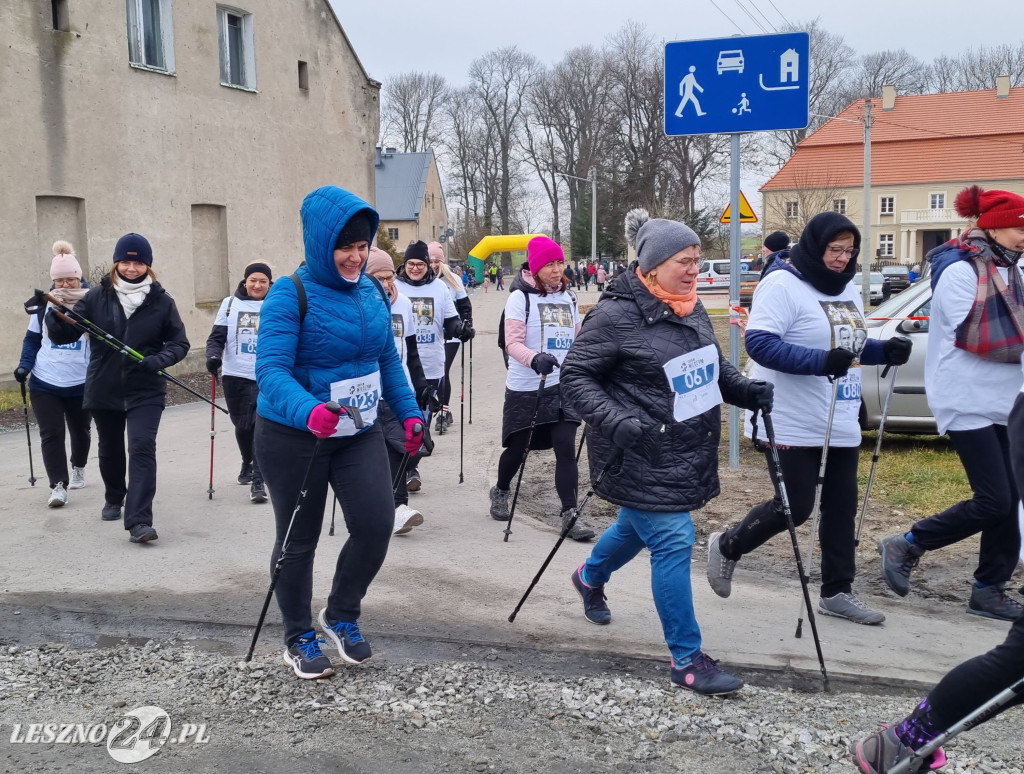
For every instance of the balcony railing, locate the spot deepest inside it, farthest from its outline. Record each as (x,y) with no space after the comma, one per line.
(944,215)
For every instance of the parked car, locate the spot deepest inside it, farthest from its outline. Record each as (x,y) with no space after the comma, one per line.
(748,284)
(714,274)
(877,286)
(905,314)
(898,276)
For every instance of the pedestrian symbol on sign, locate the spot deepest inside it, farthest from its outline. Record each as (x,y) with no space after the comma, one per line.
(686,88)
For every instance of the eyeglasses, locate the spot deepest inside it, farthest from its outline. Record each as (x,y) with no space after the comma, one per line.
(66,281)
(385,277)
(835,251)
(415,265)
(687,263)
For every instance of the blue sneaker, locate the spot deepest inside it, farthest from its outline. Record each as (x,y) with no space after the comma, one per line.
(306,658)
(347,639)
(595,607)
(703,676)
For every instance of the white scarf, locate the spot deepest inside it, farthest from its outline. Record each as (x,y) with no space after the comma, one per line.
(132,294)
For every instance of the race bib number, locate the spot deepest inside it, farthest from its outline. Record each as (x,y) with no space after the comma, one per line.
(425,337)
(246,332)
(557,329)
(693,378)
(74,346)
(849,386)
(362,392)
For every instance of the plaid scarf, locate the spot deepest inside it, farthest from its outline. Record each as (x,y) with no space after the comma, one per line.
(994,328)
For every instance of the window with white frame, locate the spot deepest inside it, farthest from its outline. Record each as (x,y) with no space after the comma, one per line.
(886,245)
(393,234)
(792,209)
(150,34)
(937,201)
(887,205)
(839,205)
(237,57)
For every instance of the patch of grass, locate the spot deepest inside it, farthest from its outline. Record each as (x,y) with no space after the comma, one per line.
(921,474)
(10,399)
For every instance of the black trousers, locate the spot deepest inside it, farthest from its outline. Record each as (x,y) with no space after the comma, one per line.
(992,511)
(563,443)
(394,463)
(240,395)
(52,413)
(138,491)
(356,468)
(414,460)
(451,349)
(836,526)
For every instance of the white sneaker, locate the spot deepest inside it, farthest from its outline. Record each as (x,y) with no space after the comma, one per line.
(58,496)
(406,518)
(77,478)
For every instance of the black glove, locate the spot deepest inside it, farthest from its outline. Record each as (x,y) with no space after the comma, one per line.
(213,364)
(897,350)
(21,374)
(760,396)
(150,364)
(544,363)
(424,396)
(467,332)
(838,362)
(627,433)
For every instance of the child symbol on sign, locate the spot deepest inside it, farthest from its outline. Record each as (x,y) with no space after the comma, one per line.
(744,106)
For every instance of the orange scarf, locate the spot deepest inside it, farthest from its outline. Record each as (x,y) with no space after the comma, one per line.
(682,305)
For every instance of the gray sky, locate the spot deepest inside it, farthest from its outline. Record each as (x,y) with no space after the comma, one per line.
(445,36)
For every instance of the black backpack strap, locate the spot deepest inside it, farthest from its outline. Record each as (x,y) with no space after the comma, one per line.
(301,290)
(380,289)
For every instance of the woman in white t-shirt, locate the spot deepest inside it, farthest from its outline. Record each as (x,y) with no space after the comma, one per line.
(972,376)
(57,384)
(801,337)
(439,265)
(541,323)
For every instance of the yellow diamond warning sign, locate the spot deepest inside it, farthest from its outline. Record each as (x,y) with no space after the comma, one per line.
(746,212)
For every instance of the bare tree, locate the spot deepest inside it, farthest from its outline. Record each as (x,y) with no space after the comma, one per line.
(977,68)
(540,144)
(410,108)
(895,67)
(813,192)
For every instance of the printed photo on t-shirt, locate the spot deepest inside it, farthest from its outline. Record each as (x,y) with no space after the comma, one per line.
(555,314)
(397,326)
(246,332)
(848,328)
(556,328)
(423,309)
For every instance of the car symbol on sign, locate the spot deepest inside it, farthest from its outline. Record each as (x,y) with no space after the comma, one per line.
(730,60)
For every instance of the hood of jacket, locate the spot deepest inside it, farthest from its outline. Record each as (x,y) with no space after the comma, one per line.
(325,212)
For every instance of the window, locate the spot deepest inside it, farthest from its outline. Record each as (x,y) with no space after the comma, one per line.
(303,76)
(792,209)
(887,205)
(237,60)
(886,245)
(210,253)
(839,205)
(937,201)
(61,22)
(150,34)
(393,234)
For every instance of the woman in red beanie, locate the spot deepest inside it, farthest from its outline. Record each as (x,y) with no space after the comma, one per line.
(972,375)
(541,323)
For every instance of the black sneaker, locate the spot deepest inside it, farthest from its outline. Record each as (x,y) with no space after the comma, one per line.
(449,420)
(245,474)
(992,602)
(110,512)
(257,492)
(579,531)
(440,426)
(305,657)
(347,639)
(142,533)
(899,557)
(703,676)
(595,607)
(412,481)
(499,503)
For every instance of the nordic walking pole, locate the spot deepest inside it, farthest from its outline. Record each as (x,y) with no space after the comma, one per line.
(336,408)
(615,459)
(816,508)
(417,428)
(470,382)
(28,435)
(334,501)
(878,449)
(213,426)
(87,326)
(526,453)
(775,473)
(462,414)
(975,718)
(579,449)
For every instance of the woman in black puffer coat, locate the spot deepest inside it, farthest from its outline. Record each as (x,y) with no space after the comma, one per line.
(648,376)
(123,394)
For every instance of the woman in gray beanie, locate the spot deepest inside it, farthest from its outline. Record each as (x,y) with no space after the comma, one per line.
(648,376)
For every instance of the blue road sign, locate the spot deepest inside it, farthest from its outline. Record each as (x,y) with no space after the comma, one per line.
(740,84)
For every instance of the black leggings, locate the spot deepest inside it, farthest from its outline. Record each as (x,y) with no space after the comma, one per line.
(240,395)
(838,513)
(444,392)
(52,412)
(563,442)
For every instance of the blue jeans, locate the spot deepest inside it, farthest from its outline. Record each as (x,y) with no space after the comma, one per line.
(669,537)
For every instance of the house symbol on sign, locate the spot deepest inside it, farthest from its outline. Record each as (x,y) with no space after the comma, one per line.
(789,71)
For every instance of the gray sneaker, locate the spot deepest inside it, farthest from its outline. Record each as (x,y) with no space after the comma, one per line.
(579,531)
(719,568)
(77,478)
(992,602)
(499,504)
(899,557)
(847,606)
(58,496)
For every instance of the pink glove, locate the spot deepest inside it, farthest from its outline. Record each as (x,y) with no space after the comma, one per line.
(413,434)
(322,421)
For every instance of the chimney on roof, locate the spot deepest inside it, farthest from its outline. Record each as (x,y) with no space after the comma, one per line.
(1002,86)
(888,97)
(377,162)
(391,150)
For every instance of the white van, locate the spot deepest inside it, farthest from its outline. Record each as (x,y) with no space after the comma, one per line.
(714,274)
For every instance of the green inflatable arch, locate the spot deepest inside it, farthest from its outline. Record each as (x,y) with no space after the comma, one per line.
(497,243)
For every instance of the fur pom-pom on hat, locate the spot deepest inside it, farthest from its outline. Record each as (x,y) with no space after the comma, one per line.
(991,209)
(64,263)
(634,220)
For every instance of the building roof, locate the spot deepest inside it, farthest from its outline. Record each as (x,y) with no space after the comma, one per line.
(961,136)
(401,183)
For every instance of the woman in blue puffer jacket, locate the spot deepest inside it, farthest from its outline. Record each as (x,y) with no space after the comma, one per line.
(325,334)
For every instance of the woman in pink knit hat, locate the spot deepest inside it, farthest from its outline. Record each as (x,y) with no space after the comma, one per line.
(541,322)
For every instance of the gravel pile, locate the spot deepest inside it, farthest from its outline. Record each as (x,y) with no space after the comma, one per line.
(450,716)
